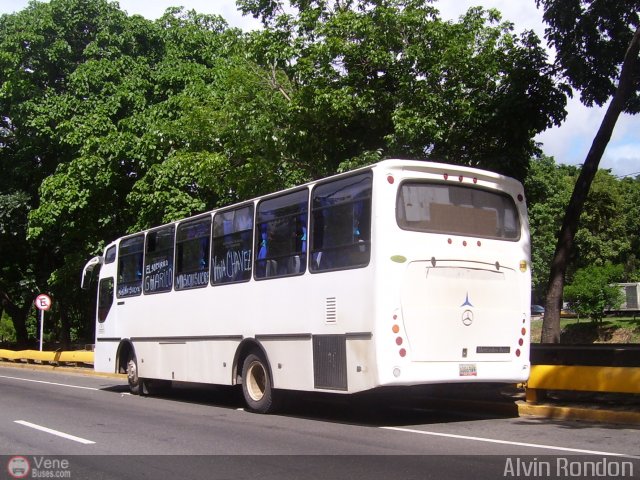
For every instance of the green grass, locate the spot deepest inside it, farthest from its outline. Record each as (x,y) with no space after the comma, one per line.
(581,330)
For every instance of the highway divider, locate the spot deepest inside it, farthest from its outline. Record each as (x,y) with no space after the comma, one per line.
(76,357)
(602,368)
(581,378)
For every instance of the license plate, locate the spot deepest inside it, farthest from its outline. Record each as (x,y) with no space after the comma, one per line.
(468,370)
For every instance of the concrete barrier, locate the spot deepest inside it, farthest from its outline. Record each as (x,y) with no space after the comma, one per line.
(581,379)
(52,358)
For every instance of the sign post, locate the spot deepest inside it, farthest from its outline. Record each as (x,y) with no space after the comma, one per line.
(43,302)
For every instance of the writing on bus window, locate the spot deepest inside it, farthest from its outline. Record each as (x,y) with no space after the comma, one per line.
(192,280)
(192,253)
(158,261)
(231,255)
(234,263)
(129,290)
(158,276)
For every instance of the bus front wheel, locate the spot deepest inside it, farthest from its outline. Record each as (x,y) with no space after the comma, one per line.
(256,384)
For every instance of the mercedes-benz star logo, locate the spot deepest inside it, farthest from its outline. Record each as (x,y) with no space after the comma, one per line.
(467,317)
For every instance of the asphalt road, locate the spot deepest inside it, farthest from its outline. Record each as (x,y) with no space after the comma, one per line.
(101,431)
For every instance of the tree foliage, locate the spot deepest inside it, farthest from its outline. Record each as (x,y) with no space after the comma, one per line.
(607,231)
(591,291)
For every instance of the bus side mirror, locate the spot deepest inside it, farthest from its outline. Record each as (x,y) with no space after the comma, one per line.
(87,272)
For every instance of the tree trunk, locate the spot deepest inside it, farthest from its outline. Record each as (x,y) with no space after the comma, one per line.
(18,315)
(555,287)
(65,323)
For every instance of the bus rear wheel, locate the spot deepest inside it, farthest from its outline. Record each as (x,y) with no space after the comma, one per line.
(256,384)
(132,376)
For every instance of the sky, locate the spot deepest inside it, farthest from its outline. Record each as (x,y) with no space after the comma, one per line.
(568,143)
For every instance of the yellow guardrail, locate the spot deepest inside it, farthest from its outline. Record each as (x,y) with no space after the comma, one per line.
(53,358)
(582,379)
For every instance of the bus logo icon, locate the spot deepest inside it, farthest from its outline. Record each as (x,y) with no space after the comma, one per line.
(18,467)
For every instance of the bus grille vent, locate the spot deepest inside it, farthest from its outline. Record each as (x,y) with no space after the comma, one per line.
(331,310)
(330,362)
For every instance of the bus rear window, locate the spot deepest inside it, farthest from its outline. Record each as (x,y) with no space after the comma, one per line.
(457,210)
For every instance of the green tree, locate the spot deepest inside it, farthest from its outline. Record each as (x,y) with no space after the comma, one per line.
(50,106)
(591,292)
(597,44)
(601,237)
(379,79)
(630,193)
(548,187)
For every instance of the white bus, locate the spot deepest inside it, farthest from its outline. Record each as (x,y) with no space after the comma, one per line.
(400,273)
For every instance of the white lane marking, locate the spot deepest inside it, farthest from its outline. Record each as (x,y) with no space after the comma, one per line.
(55,432)
(507,442)
(50,383)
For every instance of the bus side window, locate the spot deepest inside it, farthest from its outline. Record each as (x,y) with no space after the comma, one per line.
(232,246)
(130,266)
(105,298)
(281,235)
(341,223)
(192,254)
(158,260)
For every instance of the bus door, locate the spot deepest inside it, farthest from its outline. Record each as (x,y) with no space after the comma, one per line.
(105,313)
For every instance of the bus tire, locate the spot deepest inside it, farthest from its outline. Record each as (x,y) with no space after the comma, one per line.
(134,380)
(257,386)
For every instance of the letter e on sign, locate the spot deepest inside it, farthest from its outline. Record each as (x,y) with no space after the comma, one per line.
(43,302)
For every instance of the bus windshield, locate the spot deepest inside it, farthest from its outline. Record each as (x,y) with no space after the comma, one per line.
(457,210)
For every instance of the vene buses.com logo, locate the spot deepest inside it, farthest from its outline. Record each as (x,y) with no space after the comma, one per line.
(18,467)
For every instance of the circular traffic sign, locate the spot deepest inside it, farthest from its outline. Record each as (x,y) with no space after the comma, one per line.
(43,302)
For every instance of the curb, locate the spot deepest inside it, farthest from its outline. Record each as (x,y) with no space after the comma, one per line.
(573,412)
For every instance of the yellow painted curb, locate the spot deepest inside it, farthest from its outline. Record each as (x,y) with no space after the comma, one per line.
(556,412)
(80,356)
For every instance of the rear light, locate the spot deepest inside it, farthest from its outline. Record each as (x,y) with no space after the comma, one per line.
(395,328)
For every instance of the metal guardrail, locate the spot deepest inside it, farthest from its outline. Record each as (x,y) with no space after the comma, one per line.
(51,358)
(595,354)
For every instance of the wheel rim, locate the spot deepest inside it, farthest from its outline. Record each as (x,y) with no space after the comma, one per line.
(132,372)
(256,381)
